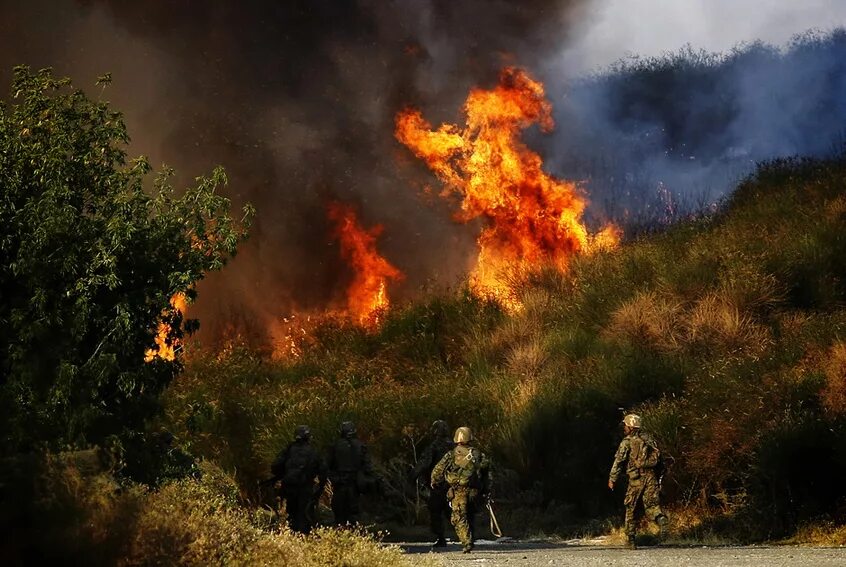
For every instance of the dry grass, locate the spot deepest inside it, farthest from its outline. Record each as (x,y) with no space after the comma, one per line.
(648,319)
(834,392)
(187,522)
(714,323)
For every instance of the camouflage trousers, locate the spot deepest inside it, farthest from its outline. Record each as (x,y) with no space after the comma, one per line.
(644,489)
(464,504)
(438,510)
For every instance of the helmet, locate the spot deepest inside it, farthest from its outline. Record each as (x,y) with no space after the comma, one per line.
(632,420)
(463,435)
(347,429)
(302,432)
(440,428)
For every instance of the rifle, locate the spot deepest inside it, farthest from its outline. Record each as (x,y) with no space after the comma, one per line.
(495,529)
(269,481)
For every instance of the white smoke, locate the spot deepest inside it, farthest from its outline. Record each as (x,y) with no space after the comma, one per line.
(614,29)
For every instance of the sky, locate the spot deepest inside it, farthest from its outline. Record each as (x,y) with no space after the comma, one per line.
(615,29)
(297,99)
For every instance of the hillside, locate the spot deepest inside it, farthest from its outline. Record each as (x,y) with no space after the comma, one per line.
(727,333)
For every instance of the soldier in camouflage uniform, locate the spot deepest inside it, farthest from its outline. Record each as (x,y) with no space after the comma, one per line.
(467,472)
(437,503)
(639,454)
(297,466)
(351,472)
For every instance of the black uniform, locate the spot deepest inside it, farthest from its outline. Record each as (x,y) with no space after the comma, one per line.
(438,503)
(350,470)
(297,466)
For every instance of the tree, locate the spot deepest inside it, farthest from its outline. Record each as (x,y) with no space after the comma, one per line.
(90,256)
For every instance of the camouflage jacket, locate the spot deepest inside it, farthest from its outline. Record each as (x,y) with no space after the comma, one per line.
(626,455)
(431,456)
(476,472)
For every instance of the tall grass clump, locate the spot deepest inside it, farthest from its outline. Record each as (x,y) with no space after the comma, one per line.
(86,517)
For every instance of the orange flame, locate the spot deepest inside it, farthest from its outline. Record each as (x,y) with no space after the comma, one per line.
(165,349)
(367,295)
(532,218)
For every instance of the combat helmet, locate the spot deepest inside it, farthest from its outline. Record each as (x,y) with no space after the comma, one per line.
(347,429)
(440,428)
(302,432)
(632,420)
(463,435)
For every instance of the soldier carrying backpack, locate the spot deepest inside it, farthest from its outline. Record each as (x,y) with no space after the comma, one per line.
(351,472)
(467,472)
(640,455)
(297,466)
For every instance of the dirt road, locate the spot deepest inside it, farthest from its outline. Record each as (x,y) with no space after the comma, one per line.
(581,554)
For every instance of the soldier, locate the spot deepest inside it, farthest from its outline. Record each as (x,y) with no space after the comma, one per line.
(297,466)
(467,472)
(431,456)
(351,472)
(639,453)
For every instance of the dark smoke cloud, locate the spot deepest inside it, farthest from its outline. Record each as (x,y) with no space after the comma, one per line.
(297,100)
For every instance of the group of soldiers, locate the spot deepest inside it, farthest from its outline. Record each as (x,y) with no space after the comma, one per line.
(348,467)
(457,473)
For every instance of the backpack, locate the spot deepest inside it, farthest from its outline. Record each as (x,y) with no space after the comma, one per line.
(295,467)
(644,452)
(464,470)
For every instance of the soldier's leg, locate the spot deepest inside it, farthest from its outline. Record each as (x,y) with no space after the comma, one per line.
(472,509)
(340,504)
(293,508)
(459,517)
(353,508)
(438,508)
(633,495)
(651,503)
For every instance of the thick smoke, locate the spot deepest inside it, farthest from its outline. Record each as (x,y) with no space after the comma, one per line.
(297,100)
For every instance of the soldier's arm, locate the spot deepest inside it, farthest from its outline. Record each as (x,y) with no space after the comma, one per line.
(423,462)
(486,475)
(366,462)
(440,469)
(322,473)
(619,460)
(278,463)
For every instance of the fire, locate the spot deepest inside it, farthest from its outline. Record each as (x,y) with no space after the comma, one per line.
(531,218)
(367,295)
(166,350)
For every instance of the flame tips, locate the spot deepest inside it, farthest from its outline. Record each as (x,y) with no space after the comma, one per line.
(367,294)
(531,217)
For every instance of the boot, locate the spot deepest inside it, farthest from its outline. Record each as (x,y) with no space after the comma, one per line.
(630,542)
(663,524)
(468,547)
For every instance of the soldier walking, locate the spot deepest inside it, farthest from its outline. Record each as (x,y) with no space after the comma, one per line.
(437,502)
(297,466)
(639,454)
(466,470)
(351,472)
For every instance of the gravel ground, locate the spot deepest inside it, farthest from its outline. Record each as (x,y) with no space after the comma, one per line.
(589,554)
